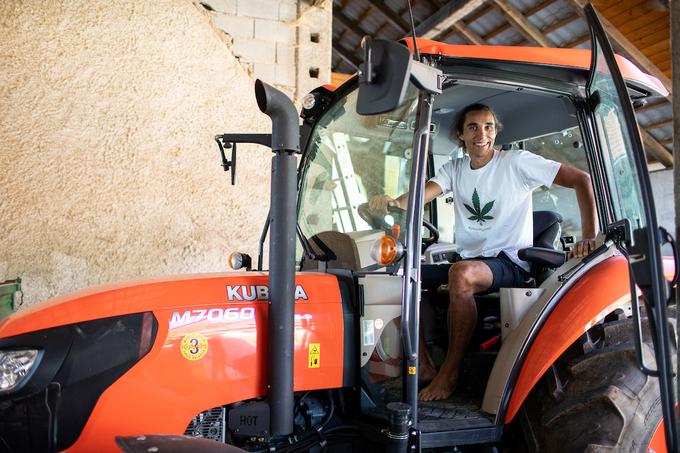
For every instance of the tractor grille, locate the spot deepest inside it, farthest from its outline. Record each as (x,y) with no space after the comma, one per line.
(208,425)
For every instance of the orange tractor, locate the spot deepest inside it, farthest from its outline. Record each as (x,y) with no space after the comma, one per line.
(321,351)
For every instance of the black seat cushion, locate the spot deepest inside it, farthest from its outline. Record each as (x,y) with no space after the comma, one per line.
(547,228)
(542,256)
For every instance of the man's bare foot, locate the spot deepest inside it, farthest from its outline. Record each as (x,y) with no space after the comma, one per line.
(441,387)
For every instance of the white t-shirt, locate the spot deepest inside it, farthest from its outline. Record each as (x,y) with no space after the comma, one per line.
(493,204)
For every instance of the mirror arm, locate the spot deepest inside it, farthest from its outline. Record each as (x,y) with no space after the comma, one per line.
(366,69)
(229,141)
(426,77)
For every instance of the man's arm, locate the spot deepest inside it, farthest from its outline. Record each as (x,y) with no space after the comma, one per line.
(379,203)
(573,178)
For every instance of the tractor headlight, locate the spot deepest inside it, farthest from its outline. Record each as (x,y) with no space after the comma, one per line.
(16,367)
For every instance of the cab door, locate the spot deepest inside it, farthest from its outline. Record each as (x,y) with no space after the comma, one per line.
(630,206)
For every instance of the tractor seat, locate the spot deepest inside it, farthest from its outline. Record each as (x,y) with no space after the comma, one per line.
(543,256)
(337,249)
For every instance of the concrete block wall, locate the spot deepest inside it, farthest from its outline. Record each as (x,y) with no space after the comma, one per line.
(286,43)
(108,111)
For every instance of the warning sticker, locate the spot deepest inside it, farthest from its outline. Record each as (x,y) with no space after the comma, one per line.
(411,370)
(194,346)
(314,355)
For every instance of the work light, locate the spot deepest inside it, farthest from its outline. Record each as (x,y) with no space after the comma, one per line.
(238,260)
(16,366)
(309,101)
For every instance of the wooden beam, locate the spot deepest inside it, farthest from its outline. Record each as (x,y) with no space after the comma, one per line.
(560,23)
(434,4)
(659,124)
(362,17)
(539,7)
(347,58)
(497,31)
(381,30)
(469,35)
(486,9)
(656,149)
(447,15)
(578,41)
(633,52)
(506,26)
(338,78)
(517,19)
(395,20)
(666,141)
(348,23)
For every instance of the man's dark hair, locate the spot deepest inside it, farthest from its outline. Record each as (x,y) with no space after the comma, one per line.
(460,119)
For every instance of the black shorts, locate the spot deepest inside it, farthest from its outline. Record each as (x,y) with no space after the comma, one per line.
(506,274)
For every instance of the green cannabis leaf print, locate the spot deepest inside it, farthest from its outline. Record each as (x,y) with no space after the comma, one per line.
(480,215)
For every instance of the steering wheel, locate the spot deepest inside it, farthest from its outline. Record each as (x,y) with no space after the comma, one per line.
(379,221)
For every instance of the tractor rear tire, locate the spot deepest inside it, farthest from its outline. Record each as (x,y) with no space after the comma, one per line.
(595,398)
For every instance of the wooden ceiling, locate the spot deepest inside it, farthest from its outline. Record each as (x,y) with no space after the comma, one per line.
(638,29)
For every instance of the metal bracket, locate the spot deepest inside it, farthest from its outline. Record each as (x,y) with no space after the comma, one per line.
(427,78)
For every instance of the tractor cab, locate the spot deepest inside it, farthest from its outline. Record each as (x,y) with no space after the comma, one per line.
(560,104)
(350,157)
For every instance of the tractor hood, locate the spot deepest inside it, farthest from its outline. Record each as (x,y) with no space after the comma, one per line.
(160,295)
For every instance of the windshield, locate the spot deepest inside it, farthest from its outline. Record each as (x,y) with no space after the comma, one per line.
(351,158)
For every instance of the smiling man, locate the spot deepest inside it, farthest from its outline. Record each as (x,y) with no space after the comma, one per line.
(493,207)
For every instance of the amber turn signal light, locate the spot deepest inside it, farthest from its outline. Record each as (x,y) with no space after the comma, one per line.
(386,250)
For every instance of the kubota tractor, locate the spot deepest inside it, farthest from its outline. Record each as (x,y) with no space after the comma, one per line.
(321,350)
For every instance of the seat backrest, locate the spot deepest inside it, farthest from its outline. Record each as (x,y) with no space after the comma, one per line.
(547,229)
(341,245)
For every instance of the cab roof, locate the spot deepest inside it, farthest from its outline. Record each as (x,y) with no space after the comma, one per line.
(570,58)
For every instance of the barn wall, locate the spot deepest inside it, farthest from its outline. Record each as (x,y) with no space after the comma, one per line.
(108,111)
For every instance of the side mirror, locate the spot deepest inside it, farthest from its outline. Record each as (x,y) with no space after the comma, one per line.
(383,77)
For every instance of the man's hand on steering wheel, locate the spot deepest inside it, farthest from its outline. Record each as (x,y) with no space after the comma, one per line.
(382,204)
(378,204)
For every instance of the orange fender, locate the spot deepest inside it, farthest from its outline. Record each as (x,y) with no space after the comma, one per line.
(658,442)
(604,288)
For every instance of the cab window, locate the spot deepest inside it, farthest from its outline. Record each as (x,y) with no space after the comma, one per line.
(350,159)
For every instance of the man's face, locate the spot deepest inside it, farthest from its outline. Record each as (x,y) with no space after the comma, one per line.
(479,133)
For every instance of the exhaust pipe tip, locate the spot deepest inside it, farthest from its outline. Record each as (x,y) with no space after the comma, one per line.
(261,95)
(284,115)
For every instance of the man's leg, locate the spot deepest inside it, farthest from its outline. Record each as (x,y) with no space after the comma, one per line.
(426,367)
(465,279)
(433,275)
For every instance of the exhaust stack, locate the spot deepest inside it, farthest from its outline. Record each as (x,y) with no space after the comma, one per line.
(282,217)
